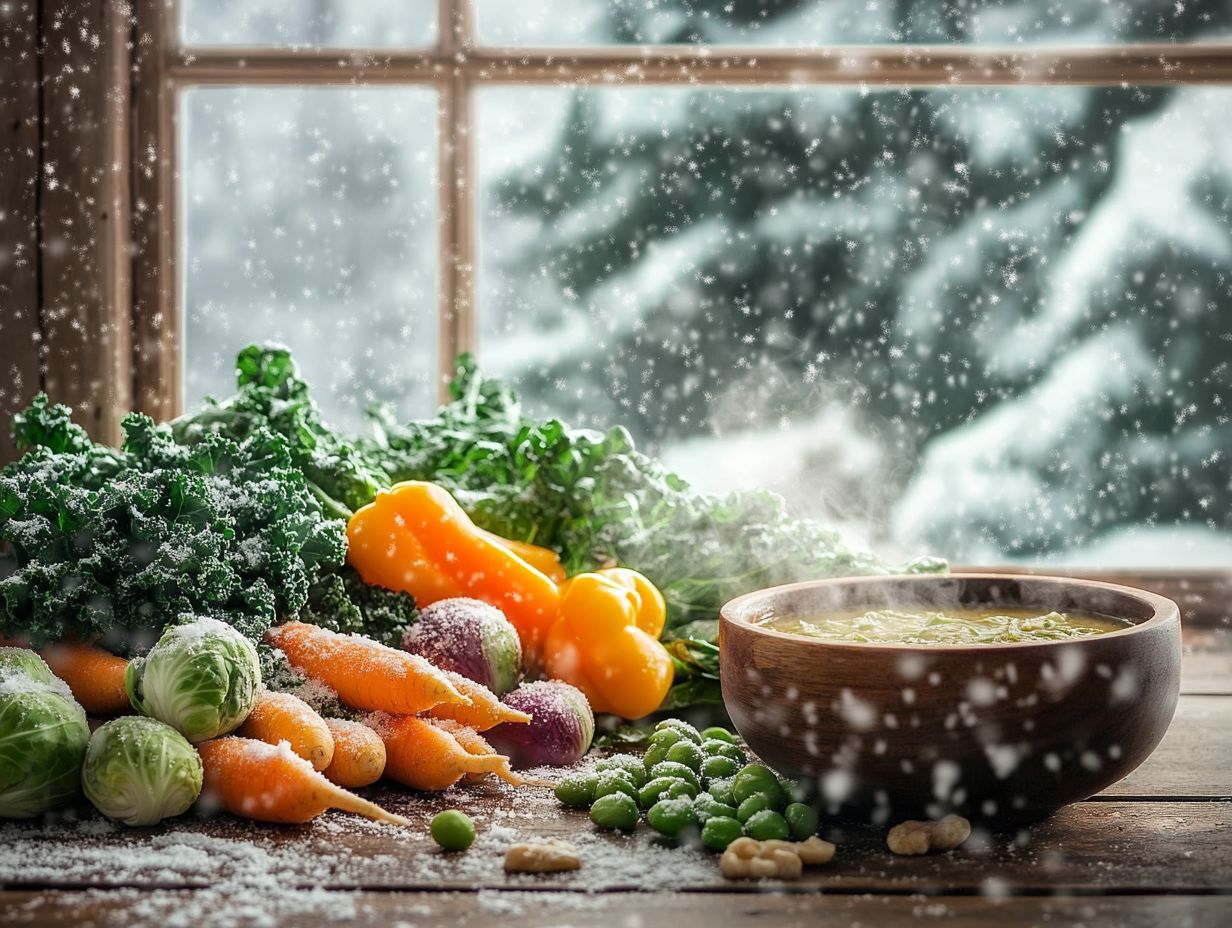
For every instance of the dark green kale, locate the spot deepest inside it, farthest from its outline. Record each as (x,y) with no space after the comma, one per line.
(341,601)
(270,394)
(222,528)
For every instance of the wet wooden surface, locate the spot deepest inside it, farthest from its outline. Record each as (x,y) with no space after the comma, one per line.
(1155,848)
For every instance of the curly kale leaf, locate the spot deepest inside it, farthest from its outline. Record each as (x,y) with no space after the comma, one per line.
(270,394)
(220,528)
(340,600)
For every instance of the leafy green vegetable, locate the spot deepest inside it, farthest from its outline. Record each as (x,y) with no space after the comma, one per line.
(120,543)
(339,600)
(43,735)
(271,395)
(140,771)
(24,661)
(201,678)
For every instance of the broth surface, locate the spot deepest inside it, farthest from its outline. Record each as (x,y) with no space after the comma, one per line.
(994,625)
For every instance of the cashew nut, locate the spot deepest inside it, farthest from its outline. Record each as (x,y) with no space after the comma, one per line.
(548,856)
(914,837)
(784,860)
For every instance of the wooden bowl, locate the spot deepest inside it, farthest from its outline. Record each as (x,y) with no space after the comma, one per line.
(999,732)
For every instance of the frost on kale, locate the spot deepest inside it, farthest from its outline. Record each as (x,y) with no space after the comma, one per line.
(118,544)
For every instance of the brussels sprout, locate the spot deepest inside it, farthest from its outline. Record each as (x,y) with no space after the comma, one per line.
(24,661)
(43,735)
(202,679)
(140,771)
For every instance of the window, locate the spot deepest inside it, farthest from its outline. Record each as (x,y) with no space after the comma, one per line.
(953,274)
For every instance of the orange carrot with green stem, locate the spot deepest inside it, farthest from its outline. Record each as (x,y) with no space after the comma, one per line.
(282,717)
(270,783)
(95,676)
(359,754)
(427,757)
(365,674)
(485,710)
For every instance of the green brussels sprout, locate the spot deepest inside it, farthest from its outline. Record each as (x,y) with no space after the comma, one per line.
(140,771)
(43,735)
(24,661)
(201,678)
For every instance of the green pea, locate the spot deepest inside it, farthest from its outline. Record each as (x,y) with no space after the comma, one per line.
(615,811)
(720,831)
(453,830)
(718,768)
(758,802)
(614,781)
(577,791)
(681,726)
(627,764)
(660,743)
(670,768)
(706,806)
(802,820)
(671,816)
(766,825)
(715,748)
(717,733)
(665,788)
(687,753)
(722,791)
(756,778)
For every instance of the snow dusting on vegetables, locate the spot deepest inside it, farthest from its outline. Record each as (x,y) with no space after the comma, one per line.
(43,735)
(140,771)
(470,637)
(201,678)
(560,730)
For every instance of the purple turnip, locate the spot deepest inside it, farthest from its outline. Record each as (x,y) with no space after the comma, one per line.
(560,730)
(471,638)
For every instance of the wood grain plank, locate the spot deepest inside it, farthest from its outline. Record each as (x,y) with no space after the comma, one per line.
(19,215)
(85,266)
(619,910)
(1093,847)
(1194,758)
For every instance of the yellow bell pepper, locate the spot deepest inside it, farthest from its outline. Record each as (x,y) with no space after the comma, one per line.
(598,631)
(416,538)
(606,642)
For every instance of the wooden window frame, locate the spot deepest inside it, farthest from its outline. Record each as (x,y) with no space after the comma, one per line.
(457,64)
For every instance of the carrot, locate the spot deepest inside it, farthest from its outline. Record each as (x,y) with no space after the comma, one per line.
(472,742)
(95,676)
(271,783)
(359,754)
(364,674)
(485,710)
(283,717)
(426,757)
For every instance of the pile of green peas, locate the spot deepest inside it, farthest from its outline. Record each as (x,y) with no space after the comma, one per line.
(690,780)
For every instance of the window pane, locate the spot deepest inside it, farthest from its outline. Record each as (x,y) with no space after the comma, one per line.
(820,22)
(336,23)
(986,323)
(309,218)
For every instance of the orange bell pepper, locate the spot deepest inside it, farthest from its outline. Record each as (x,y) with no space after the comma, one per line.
(416,538)
(544,560)
(606,642)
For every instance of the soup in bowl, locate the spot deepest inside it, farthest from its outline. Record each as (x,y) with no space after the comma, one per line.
(1001,697)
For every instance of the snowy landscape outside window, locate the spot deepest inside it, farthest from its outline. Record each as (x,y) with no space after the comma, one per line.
(989,322)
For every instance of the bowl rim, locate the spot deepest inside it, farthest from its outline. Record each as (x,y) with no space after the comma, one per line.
(1165,611)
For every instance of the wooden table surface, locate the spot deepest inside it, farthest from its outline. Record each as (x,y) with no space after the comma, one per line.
(1154,849)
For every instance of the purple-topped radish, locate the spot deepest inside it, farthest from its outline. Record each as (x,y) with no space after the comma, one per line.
(560,730)
(471,638)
